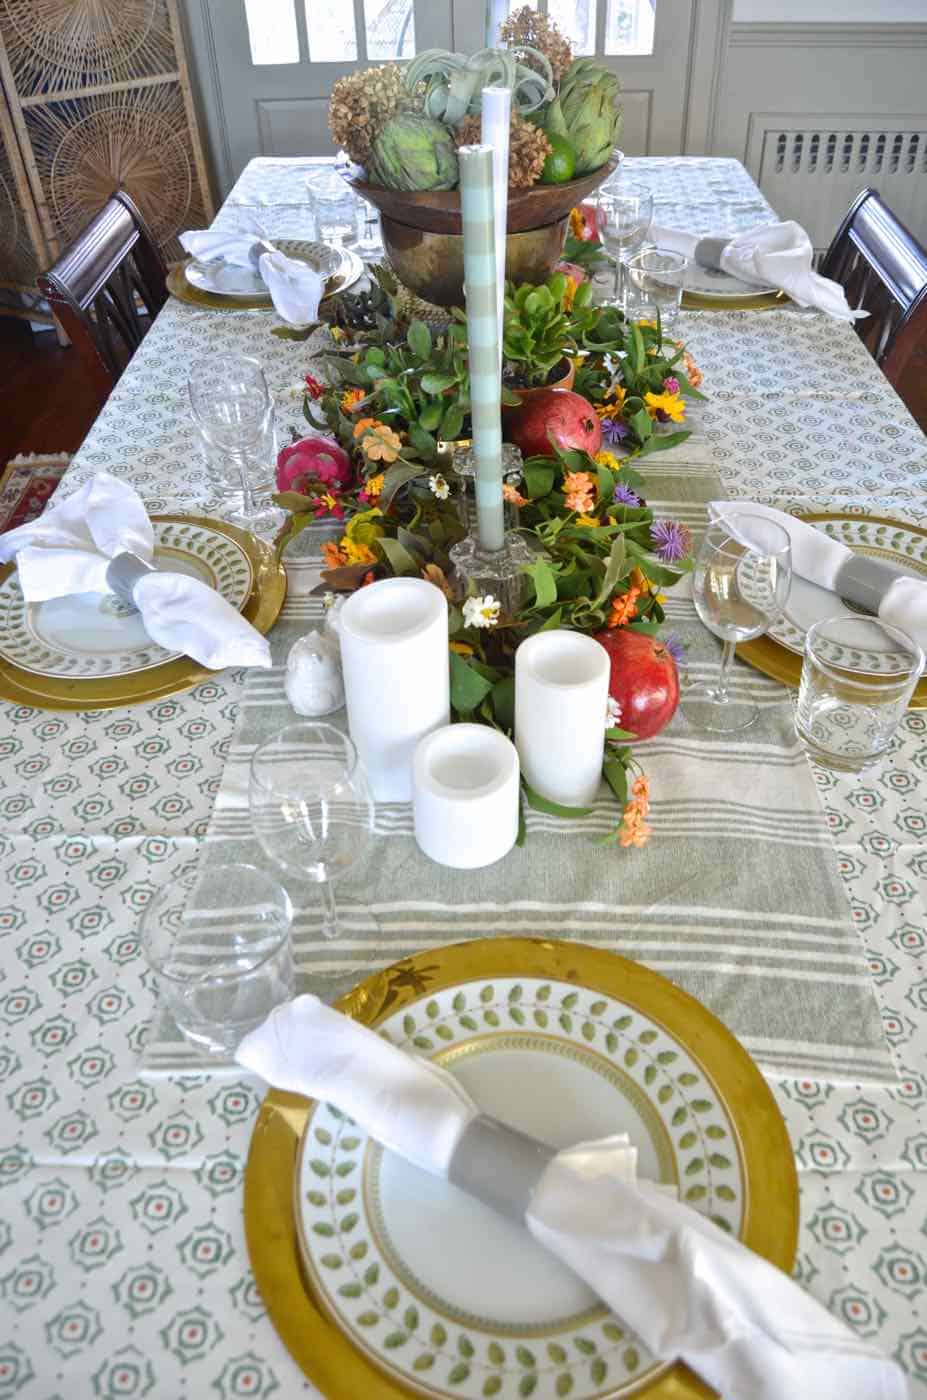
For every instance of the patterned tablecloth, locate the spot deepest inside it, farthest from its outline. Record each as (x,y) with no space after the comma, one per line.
(123,1269)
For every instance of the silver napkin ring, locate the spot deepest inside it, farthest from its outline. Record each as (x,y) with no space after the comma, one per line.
(865,582)
(708,252)
(499,1165)
(123,573)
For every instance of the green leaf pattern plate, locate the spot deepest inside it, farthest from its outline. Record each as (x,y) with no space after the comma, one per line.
(435,1288)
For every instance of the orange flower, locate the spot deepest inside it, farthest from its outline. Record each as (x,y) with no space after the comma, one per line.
(634,830)
(579,490)
(378,442)
(332,555)
(693,373)
(624,609)
(461,648)
(569,293)
(577,224)
(513,495)
(346,552)
(349,398)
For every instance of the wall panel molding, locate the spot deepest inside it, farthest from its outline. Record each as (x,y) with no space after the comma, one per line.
(839,36)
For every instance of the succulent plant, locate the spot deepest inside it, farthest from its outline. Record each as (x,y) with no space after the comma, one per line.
(453,84)
(361,105)
(528,148)
(413,152)
(587,113)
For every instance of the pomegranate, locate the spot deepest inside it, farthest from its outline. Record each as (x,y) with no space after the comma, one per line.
(314,459)
(568,418)
(644,680)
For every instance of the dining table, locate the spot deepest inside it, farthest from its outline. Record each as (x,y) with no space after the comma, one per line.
(124,1269)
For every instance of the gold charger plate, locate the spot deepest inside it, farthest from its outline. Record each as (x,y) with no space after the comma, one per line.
(352,268)
(770,657)
(323,1352)
(762,301)
(261,608)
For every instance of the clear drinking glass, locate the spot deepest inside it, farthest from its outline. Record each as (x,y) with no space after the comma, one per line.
(369,243)
(624,216)
(657,277)
(740,585)
(311,807)
(857,677)
(232,406)
(219,943)
(334,206)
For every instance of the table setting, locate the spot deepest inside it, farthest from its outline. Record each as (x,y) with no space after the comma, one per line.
(464,925)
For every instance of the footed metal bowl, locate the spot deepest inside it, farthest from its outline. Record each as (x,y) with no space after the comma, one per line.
(431,264)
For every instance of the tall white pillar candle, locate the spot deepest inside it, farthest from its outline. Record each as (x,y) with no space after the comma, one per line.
(561,696)
(465,795)
(396,676)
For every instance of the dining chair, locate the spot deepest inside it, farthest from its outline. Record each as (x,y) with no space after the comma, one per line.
(883,269)
(106,288)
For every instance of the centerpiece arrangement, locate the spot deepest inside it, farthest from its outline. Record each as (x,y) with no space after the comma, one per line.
(404,125)
(386,415)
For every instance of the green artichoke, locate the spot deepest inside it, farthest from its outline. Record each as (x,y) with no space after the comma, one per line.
(587,113)
(413,153)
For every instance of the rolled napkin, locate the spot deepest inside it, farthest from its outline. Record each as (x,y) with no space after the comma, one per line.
(773,255)
(295,288)
(687,1289)
(896,597)
(100,540)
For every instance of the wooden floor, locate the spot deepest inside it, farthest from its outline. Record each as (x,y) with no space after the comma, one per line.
(46,403)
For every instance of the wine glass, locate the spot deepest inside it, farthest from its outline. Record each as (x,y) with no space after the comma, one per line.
(624,217)
(232,406)
(743,571)
(311,807)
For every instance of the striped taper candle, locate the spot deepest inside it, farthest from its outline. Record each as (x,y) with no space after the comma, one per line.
(496,119)
(480,286)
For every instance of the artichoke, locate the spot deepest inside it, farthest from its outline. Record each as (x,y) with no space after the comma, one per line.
(413,153)
(587,113)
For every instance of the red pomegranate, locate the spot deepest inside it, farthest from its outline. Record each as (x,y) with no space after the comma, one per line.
(567,418)
(644,680)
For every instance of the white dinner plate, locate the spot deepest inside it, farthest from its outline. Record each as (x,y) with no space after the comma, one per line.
(222,279)
(437,1289)
(90,636)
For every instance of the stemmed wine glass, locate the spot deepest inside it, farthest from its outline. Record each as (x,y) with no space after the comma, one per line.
(624,217)
(232,406)
(311,807)
(740,586)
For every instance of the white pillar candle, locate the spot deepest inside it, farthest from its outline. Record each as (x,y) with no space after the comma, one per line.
(561,696)
(465,795)
(396,676)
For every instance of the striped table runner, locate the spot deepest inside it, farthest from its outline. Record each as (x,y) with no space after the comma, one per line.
(736,898)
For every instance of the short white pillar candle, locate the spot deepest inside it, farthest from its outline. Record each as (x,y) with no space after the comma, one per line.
(396,676)
(465,795)
(561,696)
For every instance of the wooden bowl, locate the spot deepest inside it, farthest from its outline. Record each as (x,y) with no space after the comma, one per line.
(438,211)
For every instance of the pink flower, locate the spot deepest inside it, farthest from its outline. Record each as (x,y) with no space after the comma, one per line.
(313,460)
(572,270)
(671,385)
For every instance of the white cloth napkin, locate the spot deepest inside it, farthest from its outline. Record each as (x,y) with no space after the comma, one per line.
(687,1288)
(295,288)
(69,548)
(818,558)
(776,255)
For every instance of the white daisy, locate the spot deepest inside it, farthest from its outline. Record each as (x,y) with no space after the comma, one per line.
(612,713)
(439,487)
(481,612)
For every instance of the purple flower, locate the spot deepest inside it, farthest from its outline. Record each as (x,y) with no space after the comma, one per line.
(671,385)
(671,541)
(675,645)
(614,431)
(624,496)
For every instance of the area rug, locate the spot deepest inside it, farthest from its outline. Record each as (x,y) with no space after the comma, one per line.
(26,486)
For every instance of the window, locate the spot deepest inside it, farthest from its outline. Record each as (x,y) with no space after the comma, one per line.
(331,30)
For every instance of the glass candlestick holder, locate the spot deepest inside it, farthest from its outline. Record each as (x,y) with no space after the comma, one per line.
(492,571)
(463,464)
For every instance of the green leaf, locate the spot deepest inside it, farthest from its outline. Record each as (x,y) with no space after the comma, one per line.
(423,442)
(320,1168)
(726,1193)
(585,1345)
(458,1373)
(348,1223)
(410,1319)
(696,1193)
(496,1354)
(468,687)
(323,1228)
(369,1319)
(648,1037)
(459,1002)
(688,1140)
(423,1362)
(395,1339)
(541,1018)
(350,1290)
(661,442)
(418,338)
(465,1346)
(492,1386)
(631,1359)
(444,1032)
(544,580)
(616,775)
(397,475)
(437,383)
(315,1198)
(696,1166)
(613,1332)
(431,416)
(528,1384)
(630,1058)
(713,1130)
(556,1353)
(702,1105)
(539,477)
(641,425)
(720,1162)
(525,1357)
(391,1297)
(438,1335)
(331,1261)
(619,735)
(371,1275)
(564,1383)
(357,1251)
(613,569)
(598,1370)
(553,809)
(345,1168)
(451,423)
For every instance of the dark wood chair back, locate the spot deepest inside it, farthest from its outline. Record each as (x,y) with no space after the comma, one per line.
(95,288)
(883,269)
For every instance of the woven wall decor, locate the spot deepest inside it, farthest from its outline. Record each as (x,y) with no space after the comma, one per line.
(99,96)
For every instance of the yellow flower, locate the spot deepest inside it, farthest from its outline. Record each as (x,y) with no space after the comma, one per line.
(355,553)
(332,555)
(349,398)
(671,404)
(613,402)
(591,520)
(652,324)
(373,486)
(577,226)
(569,292)
(378,442)
(461,648)
(607,459)
(337,334)
(624,609)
